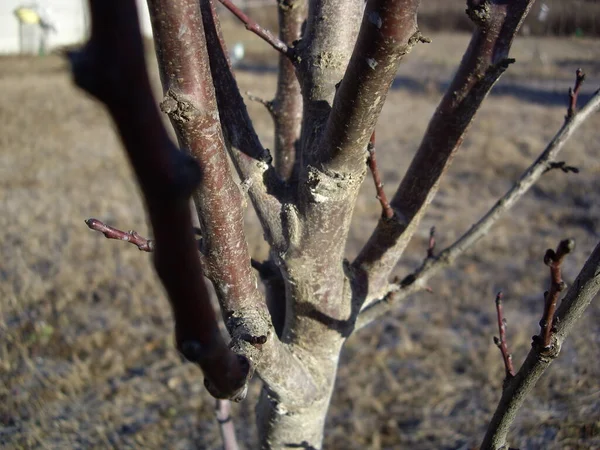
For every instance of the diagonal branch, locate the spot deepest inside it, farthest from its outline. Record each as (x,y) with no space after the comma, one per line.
(111,67)
(190,101)
(388,32)
(265,188)
(483,63)
(417,281)
(261,32)
(577,299)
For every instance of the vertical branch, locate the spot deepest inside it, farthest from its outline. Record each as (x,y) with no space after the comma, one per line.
(578,298)
(553,259)
(386,210)
(501,342)
(574,94)
(483,63)
(286,107)
(223,413)
(252,162)
(191,105)
(112,68)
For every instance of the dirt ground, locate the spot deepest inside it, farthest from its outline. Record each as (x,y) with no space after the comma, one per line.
(86,352)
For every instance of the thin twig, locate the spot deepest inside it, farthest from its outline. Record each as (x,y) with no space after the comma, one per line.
(501,342)
(266,103)
(131,236)
(561,165)
(553,259)
(578,298)
(387,211)
(417,280)
(261,32)
(226,426)
(574,93)
(431,244)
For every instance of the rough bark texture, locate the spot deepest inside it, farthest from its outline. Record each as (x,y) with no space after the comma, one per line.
(484,61)
(345,63)
(286,108)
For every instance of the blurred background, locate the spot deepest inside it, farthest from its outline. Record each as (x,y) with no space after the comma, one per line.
(86,348)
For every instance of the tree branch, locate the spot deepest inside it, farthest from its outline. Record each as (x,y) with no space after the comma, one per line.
(287,104)
(501,341)
(223,413)
(388,32)
(265,188)
(553,259)
(578,298)
(386,210)
(190,101)
(484,61)
(111,67)
(417,280)
(261,32)
(143,244)
(574,94)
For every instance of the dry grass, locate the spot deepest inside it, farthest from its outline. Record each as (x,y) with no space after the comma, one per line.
(86,354)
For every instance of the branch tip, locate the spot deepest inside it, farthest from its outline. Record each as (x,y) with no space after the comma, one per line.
(501,341)
(387,211)
(261,32)
(574,94)
(553,259)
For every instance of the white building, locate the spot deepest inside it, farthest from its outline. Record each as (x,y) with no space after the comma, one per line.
(70,19)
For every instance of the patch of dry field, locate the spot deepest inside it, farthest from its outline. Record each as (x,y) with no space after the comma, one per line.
(86,354)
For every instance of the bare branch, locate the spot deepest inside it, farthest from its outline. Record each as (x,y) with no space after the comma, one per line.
(501,342)
(553,259)
(577,299)
(131,236)
(417,280)
(191,104)
(223,413)
(431,244)
(483,63)
(266,103)
(265,188)
(386,210)
(574,94)
(261,32)
(111,67)
(388,32)
(287,105)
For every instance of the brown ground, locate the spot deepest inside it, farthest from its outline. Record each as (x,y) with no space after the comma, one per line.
(86,353)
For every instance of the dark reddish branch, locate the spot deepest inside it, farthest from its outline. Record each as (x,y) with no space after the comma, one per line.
(286,108)
(574,94)
(191,103)
(261,32)
(553,259)
(483,63)
(112,68)
(145,245)
(252,162)
(386,211)
(501,342)
(388,32)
